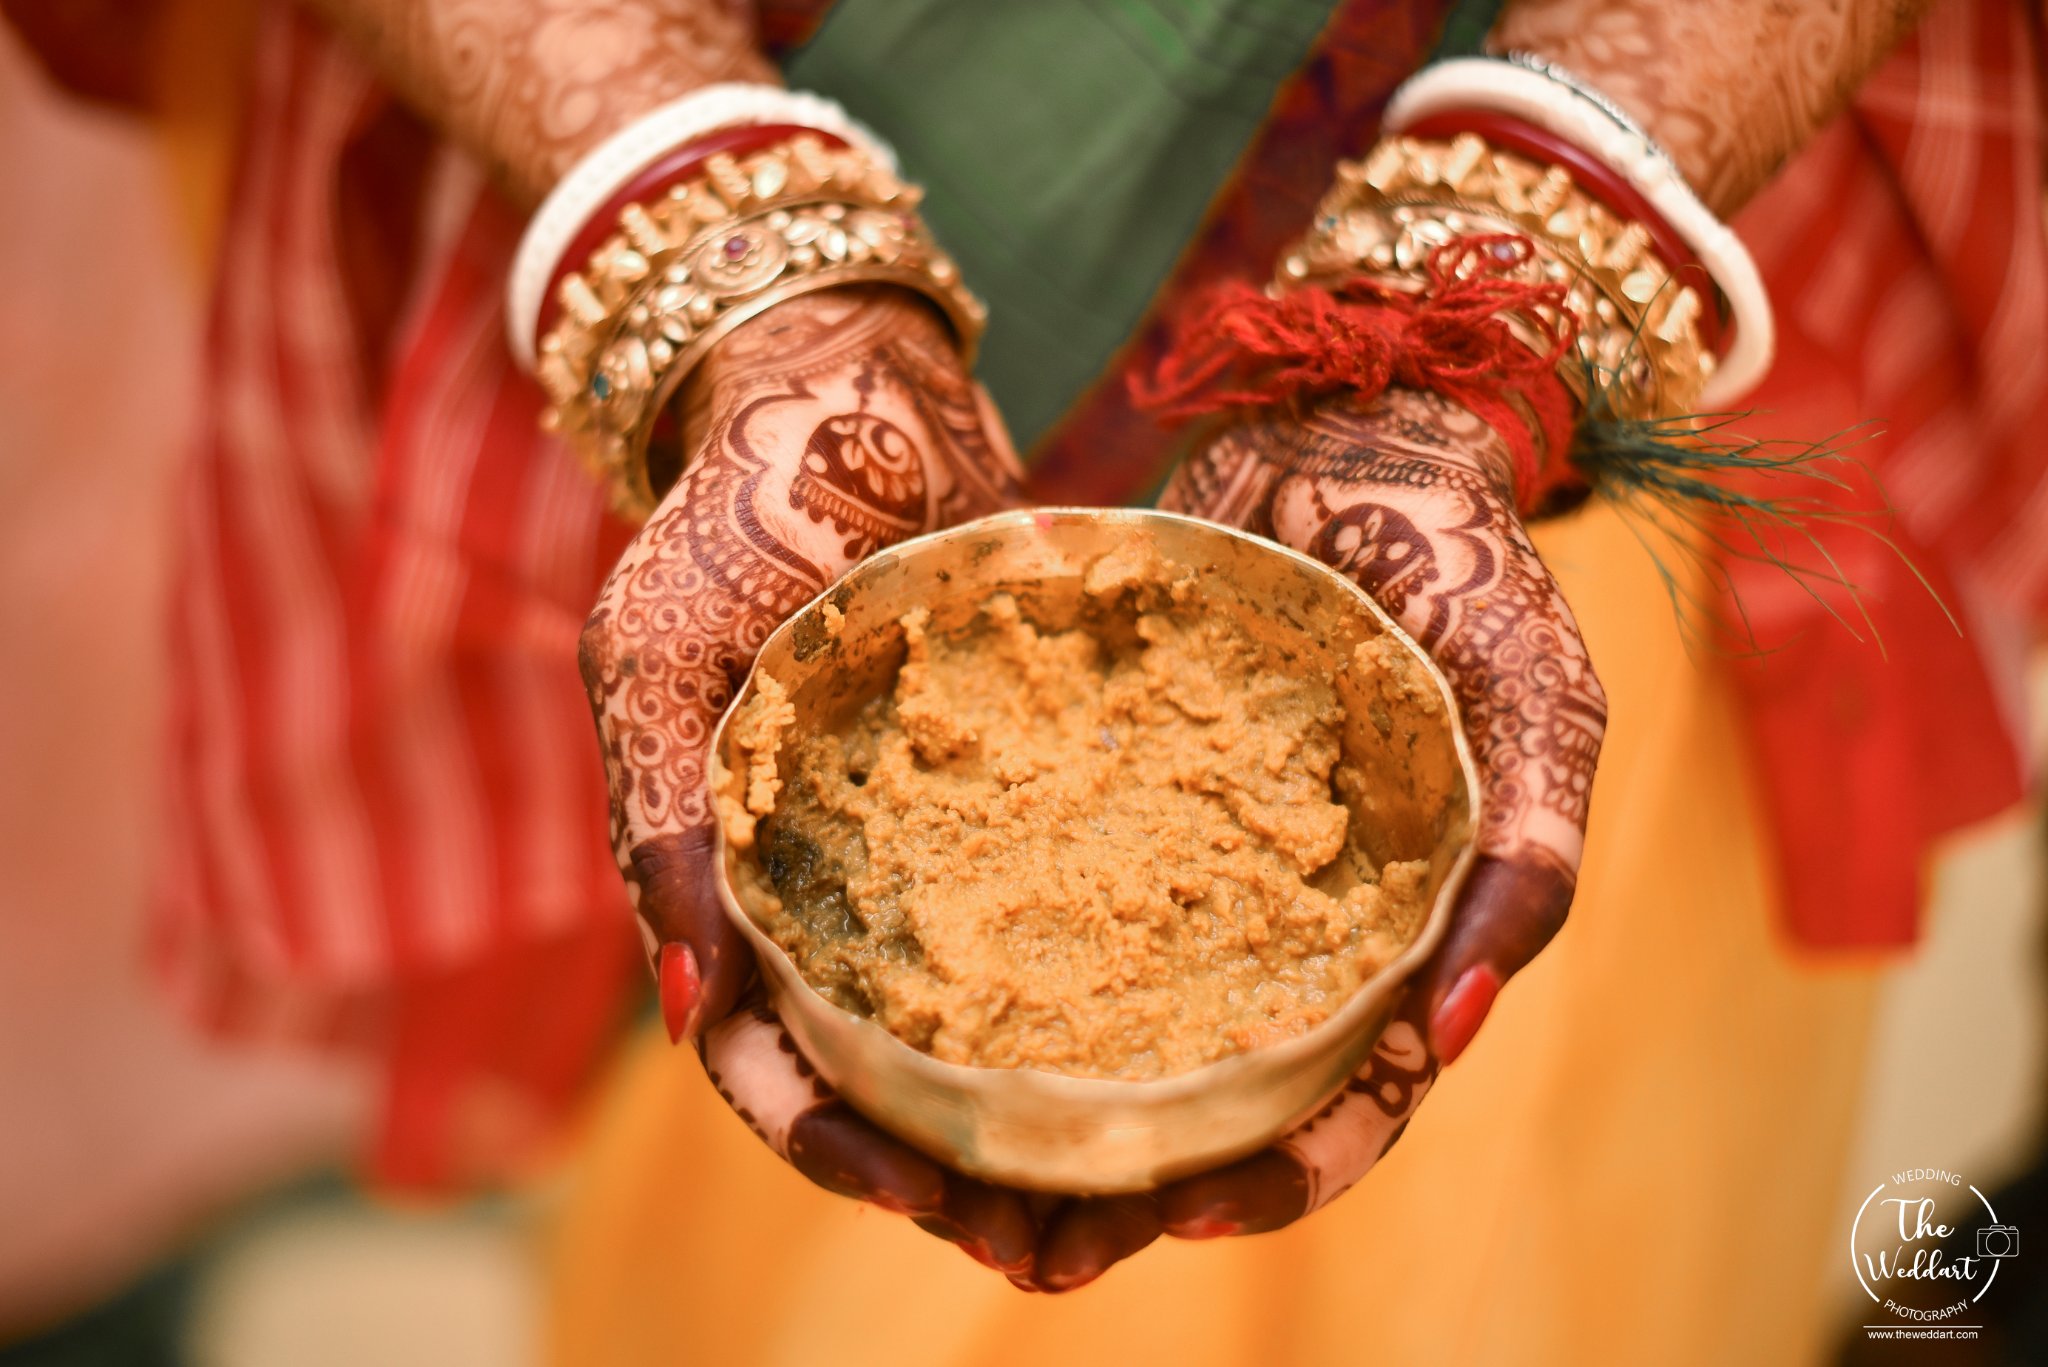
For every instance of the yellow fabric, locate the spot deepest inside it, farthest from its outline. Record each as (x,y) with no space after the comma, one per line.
(1636,1161)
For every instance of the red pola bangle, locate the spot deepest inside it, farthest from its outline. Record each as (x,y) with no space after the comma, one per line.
(1603,183)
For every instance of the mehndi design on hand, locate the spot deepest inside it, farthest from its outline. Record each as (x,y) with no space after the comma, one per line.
(529,88)
(1730,88)
(826,428)
(765,1078)
(1412,497)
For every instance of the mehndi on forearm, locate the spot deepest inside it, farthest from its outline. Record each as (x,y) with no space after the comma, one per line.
(529,86)
(1732,89)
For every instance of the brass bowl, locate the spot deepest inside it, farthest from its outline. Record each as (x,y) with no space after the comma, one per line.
(1046,1131)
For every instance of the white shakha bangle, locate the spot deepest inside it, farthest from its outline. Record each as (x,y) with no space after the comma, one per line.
(592,182)
(1560,103)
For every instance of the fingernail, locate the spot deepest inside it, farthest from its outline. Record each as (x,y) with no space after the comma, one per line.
(1059,1285)
(1023,1283)
(682,991)
(1206,1227)
(1462,1011)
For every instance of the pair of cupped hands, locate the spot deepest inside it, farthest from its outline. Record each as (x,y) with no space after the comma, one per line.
(841,421)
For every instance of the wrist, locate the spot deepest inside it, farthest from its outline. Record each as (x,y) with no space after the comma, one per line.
(685,274)
(866,359)
(531,89)
(864,318)
(1424,427)
(535,172)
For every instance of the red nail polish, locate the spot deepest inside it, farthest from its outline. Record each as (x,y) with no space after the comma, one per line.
(682,991)
(1462,1011)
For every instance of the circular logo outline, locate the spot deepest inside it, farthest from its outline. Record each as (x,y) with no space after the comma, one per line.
(1855,1264)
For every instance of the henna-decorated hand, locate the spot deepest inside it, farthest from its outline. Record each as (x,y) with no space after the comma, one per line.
(1412,497)
(828,427)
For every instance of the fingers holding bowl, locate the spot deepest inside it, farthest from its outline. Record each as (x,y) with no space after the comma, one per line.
(1311,1166)
(759,1071)
(992,1225)
(702,963)
(1319,1160)
(757,1068)
(1412,497)
(1084,1238)
(829,426)
(1535,714)
(661,654)
(1509,910)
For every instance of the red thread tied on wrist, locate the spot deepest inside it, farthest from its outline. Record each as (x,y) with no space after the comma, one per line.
(1240,347)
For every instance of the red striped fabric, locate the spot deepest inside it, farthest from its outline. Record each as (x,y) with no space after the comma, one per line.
(1906,255)
(386,815)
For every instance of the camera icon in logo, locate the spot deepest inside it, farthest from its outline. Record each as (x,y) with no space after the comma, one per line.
(1998,1241)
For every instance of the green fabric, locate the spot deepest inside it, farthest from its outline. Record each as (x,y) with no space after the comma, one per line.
(1068,149)
(1466,27)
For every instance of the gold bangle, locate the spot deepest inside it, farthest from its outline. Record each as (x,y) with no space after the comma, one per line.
(1638,327)
(1609,347)
(687,270)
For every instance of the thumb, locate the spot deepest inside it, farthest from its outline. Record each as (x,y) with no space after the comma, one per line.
(1509,910)
(701,959)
